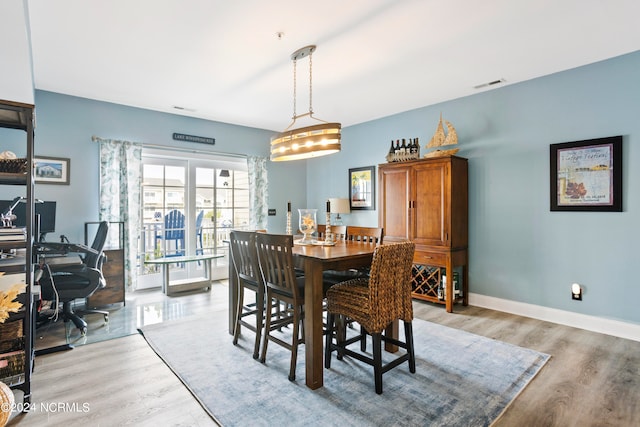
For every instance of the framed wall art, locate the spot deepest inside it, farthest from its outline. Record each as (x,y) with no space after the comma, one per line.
(362,188)
(587,175)
(51,170)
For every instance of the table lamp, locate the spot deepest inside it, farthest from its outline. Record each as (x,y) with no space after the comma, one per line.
(339,206)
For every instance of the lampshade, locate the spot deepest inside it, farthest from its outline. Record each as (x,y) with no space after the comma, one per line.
(224,173)
(319,139)
(340,206)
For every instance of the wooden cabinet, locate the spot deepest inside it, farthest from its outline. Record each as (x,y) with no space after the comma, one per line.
(113,272)
(426,201)
(16,333)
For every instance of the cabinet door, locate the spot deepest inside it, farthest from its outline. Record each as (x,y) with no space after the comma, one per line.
(394,203)
(431,192)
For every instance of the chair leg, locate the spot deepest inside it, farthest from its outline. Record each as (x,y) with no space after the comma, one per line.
(267,328)
(340,329)
(259,322)
(363,339)
(329,339)
(408,336)
(237,326)
(377,361)
(68,314)
(294,345)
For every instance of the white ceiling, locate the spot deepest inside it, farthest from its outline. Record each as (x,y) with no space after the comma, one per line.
(221,59)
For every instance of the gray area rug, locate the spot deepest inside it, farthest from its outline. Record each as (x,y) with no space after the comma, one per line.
(461,379)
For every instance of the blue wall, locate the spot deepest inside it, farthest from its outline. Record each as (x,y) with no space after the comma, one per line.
(65,125)
(519,250)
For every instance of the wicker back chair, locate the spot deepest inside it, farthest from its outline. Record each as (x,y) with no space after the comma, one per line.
(275,258)
(245,262)
(375,303)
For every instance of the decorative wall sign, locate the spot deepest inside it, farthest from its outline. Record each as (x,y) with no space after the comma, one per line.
(587,175)
(193,138)
(362,188)
(51,170)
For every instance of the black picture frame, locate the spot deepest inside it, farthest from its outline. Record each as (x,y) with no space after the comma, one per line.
(362,188)
(586,175)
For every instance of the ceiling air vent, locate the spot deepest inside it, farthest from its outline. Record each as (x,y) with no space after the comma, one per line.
(177,107)
(493,83)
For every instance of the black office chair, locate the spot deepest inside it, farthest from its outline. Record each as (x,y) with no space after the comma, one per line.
(65,283)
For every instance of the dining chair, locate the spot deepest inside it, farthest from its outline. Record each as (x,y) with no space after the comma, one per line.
(275,258)
(375,303)
(339,231)
(365,234)
(245,262)
(373,235)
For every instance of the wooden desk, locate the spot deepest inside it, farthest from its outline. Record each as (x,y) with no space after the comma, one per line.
(170,288)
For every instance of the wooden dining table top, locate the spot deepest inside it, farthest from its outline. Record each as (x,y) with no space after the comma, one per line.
(342,249)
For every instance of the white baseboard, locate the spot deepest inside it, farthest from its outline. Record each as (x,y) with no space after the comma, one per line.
(630,331)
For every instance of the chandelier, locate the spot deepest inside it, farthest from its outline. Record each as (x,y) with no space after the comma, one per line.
(310,141)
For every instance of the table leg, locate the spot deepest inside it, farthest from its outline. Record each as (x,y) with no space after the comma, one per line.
(165,280)
(233,296)
(207,271)
(313,345)
(392,332)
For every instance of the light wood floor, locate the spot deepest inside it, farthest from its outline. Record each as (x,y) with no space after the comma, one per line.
(590,380)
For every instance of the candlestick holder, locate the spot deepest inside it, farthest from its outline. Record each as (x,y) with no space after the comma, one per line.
(328,234)
(288,227)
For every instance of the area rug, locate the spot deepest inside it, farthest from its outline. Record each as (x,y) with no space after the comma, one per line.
(461,379)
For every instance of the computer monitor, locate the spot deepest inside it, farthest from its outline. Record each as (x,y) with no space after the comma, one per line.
(46,210)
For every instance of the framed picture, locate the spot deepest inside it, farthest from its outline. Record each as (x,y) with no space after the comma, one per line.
(587,175)
(362,188)
(51,170)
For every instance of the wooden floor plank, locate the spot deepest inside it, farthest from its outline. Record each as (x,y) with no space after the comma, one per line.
(591,379)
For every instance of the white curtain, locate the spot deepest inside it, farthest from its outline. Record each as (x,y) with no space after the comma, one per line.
(120,183)
(258,192)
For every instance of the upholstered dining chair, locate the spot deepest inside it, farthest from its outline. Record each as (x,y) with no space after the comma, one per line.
(275,258)
(375,303)
(245,262)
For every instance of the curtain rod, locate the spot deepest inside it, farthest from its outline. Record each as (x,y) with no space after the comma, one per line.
(181,149)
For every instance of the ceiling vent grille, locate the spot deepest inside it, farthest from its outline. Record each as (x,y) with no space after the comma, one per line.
(492,83)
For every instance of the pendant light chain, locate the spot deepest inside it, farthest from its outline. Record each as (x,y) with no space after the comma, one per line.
(295,84)
(310,84)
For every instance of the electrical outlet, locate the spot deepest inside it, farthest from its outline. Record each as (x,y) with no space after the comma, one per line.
(576,292)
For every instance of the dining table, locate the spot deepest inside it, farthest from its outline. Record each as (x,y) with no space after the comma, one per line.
(315,258)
